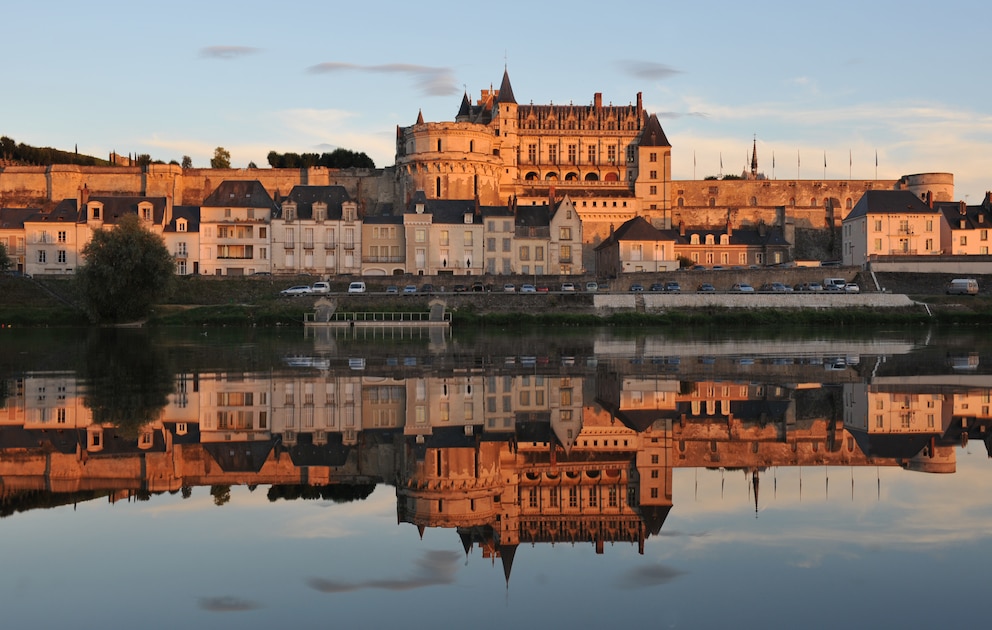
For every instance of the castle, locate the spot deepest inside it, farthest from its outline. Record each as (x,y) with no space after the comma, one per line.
(613,162)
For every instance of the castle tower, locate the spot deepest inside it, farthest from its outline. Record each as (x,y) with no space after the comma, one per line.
(506,129)
(653,176)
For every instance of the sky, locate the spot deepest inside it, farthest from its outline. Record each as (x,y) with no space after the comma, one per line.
(825,90)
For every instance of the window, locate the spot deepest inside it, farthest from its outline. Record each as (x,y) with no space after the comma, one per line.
(565,253)
(444,237)
(929,226)
(506,245)
(565,233)
(538,252)
(653,175)
(42,256)
(572,151)
(592,154)
(611,154)
(420,235)
(878,225)
(553,154)
(878,244)
(61,256)
(524,252)
(468,238)
(531,153)
(964,240)
(61,236)
(652,157)
(653,190)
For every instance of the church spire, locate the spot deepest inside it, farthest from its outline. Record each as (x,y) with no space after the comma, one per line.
(420,117)
(754,157)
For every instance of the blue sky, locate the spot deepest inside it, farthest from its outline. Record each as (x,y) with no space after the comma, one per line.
(833,82)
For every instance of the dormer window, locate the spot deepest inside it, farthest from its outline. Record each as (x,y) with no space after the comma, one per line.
(290,213)
(694,239)
(724,239)
(709,239)
(468,217)
(181,225)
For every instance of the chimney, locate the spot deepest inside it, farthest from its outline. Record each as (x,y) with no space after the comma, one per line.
(639,103)
(730,228)
(611,230)
(598,100)
(167,219)
(681,228)
(930,199)
(963,209)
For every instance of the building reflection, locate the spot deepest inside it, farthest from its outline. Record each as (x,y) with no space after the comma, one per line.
(556,449)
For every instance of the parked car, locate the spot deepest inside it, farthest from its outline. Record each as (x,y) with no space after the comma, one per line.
(410,288)
(962,286)
(427,288)
(460,288)
(776,287)
(742,287)
(392,289)
(478,287)
(543,289)
(657,286)
(528,288)
(706,287)
(567,287)
(509,288)
(297,291)
(637,287)
(357,287)
(673,287)
(322,288)
(592,286)
(852,287)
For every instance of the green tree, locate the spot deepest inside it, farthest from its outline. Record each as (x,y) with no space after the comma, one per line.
(4,258)
(187,162)
(221,158)
(127,269)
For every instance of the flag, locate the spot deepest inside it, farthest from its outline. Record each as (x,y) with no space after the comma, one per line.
(876,158)
(773,160)
(824,159)
(693,159)
(721,160)
(850,158)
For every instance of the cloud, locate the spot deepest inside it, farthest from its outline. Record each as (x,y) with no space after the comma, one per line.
(227,52)
(648,69)
(431,81)
(227,603)
(433,568)
(650,575)
(674,115)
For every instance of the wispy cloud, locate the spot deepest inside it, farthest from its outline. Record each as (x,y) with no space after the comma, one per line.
(227,52)
(674,115)
(227,604)
(649,575)
(430,80)
(433,568)
(647,69)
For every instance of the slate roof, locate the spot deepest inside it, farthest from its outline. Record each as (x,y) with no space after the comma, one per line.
(639,229)
(505,91)
(653,135)
(533,216)
(446,210)
(741,236)
(240,456)
(66,211)
(888,202)
(190,213)
(13,218)
(974,217)
(115,207)
(239,194)
(306,196)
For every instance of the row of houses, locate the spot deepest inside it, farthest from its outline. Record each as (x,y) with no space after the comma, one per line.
(240,230)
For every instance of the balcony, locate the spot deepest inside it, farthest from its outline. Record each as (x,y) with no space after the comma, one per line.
(308,245)
(348,244)
(383,259)
(331,245)
(290,244)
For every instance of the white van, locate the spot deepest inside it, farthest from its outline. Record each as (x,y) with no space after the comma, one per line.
(962,286)
(356,287)
(831,284)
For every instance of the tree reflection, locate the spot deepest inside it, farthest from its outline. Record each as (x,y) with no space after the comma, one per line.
(126,378)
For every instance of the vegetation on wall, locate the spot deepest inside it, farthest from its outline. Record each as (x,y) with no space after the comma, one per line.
(221,158)
(43,156)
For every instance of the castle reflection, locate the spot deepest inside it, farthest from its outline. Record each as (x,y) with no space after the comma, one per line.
(571,444)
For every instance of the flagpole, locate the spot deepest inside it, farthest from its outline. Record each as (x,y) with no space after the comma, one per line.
(850,163)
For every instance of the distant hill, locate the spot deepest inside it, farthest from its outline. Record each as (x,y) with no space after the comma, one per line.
(12,153)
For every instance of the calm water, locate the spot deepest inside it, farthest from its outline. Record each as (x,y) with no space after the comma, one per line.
(588,478)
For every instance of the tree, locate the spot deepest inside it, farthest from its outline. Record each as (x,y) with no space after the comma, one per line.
(221,158)
(187,162)
(5,262)
(127,270)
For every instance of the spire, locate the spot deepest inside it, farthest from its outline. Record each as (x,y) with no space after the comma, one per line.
(420,117)
(505,91)
(653,135)
(506,553)
(465,110)
(754,157)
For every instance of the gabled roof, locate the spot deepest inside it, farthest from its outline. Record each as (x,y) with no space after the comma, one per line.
(889,202)
(638,229)
(239,194)
(306,196)
(533,216)
(653,135)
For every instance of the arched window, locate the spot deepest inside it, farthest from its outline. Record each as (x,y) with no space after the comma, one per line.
(792,201)
(712,201)
(611,177)
(438,188)
(709,239)
(694,239)
(439,145)
(754,201)
(848,203)
(551,176)
(571,177)
(592,177)
(530,176)
(812,202)
(681,202)
(471,146)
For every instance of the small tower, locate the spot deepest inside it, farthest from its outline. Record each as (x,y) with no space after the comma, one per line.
(754,159)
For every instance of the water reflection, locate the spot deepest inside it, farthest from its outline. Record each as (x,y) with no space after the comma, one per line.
(506,440)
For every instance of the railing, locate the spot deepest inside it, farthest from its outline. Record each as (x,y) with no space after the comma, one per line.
(378,317)
(330,245)
(348,244)
(383,259)
(308,245)
(902,252)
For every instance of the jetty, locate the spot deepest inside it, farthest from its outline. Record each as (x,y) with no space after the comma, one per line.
(326,315)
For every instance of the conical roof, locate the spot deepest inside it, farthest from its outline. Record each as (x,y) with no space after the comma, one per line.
(505,91)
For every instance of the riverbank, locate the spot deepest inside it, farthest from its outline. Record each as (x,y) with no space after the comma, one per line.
(256,301)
